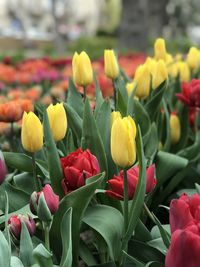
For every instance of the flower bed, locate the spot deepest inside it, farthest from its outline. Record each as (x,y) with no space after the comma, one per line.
(101,169)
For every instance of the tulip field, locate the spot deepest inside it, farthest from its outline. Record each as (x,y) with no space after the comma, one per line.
(100,160)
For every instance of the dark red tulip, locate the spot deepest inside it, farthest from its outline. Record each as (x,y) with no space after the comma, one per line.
(116,184)
(77,167)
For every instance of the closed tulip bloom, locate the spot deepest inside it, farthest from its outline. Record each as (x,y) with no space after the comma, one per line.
(57,120)
(160,49)
(175,128)
(142,80)
(159,74)
(82,69)
(123,146)
(193,58)
(115,115)
(32,132)
(184,71)
(111,66)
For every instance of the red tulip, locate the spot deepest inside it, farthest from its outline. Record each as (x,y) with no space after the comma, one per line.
(51,199)
(184,211)
(15,225)
(77,167)
(190,93)
(185,228)
(184,249)
(117,182)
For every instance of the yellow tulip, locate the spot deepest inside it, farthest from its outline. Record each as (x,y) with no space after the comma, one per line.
(159,49)
(57,120)
(32,132)
(173,69)
(82,69)
(142,80)
(159,74)
(130,87)
(111,66)
(123,146)
(175,128)
(184,71)
(115,115)
(193,58)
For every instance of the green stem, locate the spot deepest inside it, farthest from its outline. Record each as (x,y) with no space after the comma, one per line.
(126,216)
(84,92)
(35,178)
(46,236)
(125,200)
(115,96)
(148,212)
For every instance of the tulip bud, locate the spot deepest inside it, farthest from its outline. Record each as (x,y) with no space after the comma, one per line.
(142,80)
(15,225)
(114,116)
(175,128)
(130,87)
(57,120)
(193,58)
(111,66)
(123,146)
(82,69)
(159,49)
(3,169)
(44,203)
(184,71)
(32,132)
(159,74)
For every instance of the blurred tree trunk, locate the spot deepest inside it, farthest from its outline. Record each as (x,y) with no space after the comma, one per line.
(58,39)
(141,20)
(133,32)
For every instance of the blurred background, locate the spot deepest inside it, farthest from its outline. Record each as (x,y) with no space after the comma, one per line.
(59,27)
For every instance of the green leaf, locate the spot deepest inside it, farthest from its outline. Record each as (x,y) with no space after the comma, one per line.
(54,165)
(99,97)
(91,137)
(141,232)
(15,262)
(79,201)
(138,200)
(26,247)
(86,254)
(158,244)
(167,128)
(133,260)
(4,252)
(74,121)
(13,195)
(110,229)
(24,181)
(108,264)
(103,121)
(192,152)
(164,234)
(74,98)
(66,235)
(167,165)
(141,117)
(153,105)
(42,256)
(23,162)
(151,146)
(143,252)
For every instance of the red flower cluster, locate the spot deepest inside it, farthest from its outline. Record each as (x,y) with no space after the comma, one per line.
(77,167)
(184,250)
(117,182)
(190,93)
